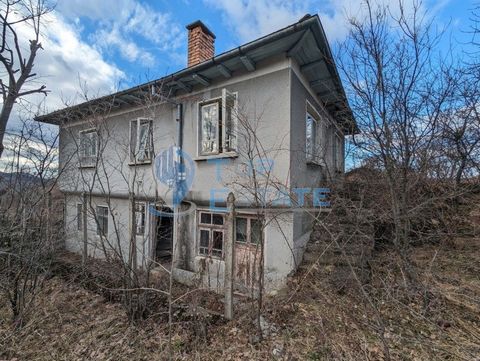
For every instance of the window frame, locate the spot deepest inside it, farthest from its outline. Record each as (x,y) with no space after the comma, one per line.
(134,153)
(249,218)
(224,138)
(211,228)
(102,219)
(88,160)
(321,135)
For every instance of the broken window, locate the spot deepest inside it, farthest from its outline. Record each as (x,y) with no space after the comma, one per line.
(139,218)
(102,221)
(141,143)
(218,125)
(88,147)
(211,234)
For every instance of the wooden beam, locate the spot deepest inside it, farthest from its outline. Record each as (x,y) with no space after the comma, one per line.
(248,63)
(295,48)
(320,81)
(133,97)
(224,71)
(183,86)
(312,65)
(201,79)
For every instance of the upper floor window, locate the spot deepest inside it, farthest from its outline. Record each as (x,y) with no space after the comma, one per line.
(88,147)
(141,142)
(311,138)
(218,125)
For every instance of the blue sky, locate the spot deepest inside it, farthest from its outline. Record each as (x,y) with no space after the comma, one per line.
(110,44)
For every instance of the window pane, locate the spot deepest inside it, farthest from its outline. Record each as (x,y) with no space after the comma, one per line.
(217,243)
(102,220)
(217,219)
(204,241)
(140,218)
(209,121)
(310,137)
(144,141)
(241,229)
(230,120)
(205,218)
(255,231)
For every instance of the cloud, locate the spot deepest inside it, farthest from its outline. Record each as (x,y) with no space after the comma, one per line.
(133,28)
(65,62)
(250,19)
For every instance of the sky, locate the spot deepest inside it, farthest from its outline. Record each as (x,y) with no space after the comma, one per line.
(103,46)
(108,45)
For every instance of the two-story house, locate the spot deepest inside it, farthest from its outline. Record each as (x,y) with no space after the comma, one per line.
(265,121)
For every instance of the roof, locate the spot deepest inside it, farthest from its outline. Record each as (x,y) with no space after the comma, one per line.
(305,41)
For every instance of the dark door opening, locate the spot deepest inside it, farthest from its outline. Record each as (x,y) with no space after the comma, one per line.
(164,234)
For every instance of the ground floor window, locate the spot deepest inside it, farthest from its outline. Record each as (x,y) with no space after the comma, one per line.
(102,220)
(248,229)
(211,234)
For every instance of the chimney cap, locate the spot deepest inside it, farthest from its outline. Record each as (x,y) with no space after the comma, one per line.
(202,25)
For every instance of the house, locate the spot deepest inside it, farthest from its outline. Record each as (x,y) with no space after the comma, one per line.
(153,165)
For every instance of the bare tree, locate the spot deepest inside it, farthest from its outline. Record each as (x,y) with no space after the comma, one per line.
(30,217)
(17,76)
(397,92)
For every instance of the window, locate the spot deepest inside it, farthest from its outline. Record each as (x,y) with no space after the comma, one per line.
(211,234)
(79,216)
(102,221)
(248,230)
(218,125)
(141,144)
(139,219)
(88,147)
(311,138)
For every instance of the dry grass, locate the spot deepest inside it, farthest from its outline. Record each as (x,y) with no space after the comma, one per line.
(316,323)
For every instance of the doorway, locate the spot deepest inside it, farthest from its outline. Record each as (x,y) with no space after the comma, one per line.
(163,234)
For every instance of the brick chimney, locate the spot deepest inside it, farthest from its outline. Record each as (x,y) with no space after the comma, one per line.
(200,43)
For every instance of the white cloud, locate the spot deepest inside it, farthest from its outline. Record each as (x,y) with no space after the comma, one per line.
(64,63)
(250,19)
(133,28)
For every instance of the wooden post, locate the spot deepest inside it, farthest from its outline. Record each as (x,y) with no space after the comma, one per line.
(85,234)
(229,256)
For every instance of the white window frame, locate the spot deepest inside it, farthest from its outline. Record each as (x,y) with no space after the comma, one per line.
(98,220)
(321,136)
(311,154)
(249,219)
(88,160)
(134,151)
(211,228)
(226,142)
(143,217)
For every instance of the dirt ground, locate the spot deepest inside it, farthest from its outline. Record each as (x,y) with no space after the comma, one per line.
(310,320)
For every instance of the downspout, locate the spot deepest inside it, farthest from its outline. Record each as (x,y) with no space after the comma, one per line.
(176,206)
